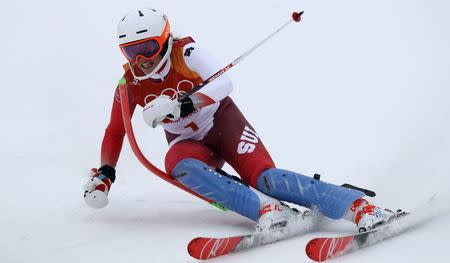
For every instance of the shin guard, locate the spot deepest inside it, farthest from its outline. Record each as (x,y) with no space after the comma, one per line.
(224,190)
(332,200)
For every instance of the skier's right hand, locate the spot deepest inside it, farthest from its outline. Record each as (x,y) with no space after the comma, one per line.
(159,109)
(97,187)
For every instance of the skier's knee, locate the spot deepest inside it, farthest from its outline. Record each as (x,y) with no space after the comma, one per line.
(332,200)
(191,149)
(189,166)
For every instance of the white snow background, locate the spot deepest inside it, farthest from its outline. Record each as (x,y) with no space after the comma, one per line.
(358,92)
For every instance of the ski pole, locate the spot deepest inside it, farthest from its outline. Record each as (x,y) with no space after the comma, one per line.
(296,17)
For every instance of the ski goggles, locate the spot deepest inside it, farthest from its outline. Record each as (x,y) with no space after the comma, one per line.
(147,48)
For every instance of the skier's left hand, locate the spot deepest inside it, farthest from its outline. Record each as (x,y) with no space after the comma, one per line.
(163,107)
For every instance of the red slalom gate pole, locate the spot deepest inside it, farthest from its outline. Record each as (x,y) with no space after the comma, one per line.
(126,114)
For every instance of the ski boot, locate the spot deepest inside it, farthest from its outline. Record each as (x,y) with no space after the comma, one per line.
(274,216)
(367,216)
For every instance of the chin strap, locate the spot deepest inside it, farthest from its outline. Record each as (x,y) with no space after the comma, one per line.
(161,75)
(161,63)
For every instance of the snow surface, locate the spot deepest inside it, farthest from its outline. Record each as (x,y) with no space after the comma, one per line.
(358,92)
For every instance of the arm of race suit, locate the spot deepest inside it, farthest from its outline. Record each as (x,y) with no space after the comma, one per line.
(201,61)
(114,133)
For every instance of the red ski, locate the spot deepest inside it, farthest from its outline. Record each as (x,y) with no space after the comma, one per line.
(324,248)
(208,247)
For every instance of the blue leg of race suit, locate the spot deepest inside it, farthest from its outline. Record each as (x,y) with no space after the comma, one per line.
(224,190)
(332,200)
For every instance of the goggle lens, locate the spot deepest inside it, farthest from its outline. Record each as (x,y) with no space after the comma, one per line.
(147,49)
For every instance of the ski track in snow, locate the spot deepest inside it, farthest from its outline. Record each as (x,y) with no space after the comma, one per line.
(353,97)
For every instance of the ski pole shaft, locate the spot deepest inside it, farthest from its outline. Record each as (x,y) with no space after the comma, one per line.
(296,17)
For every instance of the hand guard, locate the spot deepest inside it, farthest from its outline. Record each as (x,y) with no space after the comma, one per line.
(97,187)
(161,108)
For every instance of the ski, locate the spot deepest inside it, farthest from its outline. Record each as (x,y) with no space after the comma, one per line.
(208,247)
(324,248)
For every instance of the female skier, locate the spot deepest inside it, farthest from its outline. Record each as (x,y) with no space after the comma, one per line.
(207,129)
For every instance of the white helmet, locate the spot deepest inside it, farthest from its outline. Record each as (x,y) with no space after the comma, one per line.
(144,33)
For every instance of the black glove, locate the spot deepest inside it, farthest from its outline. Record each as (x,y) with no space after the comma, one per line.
(187,107)
(108,171)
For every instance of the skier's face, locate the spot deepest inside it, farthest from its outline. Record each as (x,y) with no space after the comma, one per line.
(148,65)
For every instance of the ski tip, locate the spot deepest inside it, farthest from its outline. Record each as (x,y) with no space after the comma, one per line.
(205,248)
(324,248)
(191,248)
(311,249)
